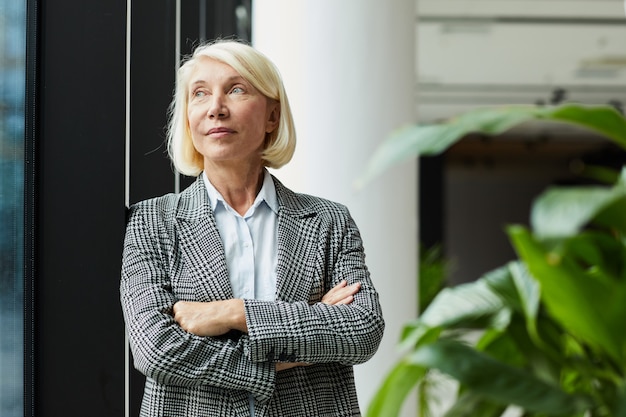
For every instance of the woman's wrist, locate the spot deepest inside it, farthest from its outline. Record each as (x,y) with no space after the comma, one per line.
(238,315)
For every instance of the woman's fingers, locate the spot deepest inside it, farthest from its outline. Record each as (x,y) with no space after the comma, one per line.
(342,293)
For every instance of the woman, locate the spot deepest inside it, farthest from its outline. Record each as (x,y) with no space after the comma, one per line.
(241,297)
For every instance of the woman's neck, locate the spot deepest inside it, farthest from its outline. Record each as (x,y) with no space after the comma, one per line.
(238,185)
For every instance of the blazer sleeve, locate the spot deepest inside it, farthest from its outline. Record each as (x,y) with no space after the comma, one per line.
(161,349)
(301,331)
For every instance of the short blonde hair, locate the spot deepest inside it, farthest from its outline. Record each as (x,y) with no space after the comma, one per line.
(255,68)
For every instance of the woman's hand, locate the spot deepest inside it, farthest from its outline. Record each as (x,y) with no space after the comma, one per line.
(211,319)
(281,366)
(342,293)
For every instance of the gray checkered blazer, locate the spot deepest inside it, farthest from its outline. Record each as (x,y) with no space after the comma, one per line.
(173,251)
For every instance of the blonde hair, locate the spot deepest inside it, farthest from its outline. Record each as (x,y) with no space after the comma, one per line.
(259,71)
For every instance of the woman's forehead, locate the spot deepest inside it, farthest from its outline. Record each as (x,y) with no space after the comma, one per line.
(213,66)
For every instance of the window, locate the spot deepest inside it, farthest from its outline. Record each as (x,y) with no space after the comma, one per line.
(12,84)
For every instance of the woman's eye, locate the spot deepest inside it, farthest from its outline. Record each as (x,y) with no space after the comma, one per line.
(199,93)
(237,90)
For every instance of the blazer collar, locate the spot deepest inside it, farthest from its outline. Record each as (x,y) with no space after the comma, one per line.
(292,204)
(194,205)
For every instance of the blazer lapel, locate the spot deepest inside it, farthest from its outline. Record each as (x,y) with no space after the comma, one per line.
(298,227)
(203,251)
(201,246)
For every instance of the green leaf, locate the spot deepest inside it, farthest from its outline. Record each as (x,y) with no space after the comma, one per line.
(493,120)
(471,405)
(433,268)
(528,291)
(477,304)
(501,282)
(496,381)
(601,119)
(620,404)
(589,308)
(564,211)
(601,252)
(404,144)
(415,334)
(613,215)
(391,395)
(530,296)
(463,304)
(409,142)
(600,174)
(502,347)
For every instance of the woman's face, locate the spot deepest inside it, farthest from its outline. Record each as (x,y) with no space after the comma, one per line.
(228,118)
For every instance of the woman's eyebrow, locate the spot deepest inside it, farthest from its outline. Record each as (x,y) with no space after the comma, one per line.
(229,80)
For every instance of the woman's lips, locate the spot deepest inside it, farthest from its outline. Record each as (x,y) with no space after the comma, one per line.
(220,130)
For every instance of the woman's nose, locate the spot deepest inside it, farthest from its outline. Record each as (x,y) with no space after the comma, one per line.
(217,108)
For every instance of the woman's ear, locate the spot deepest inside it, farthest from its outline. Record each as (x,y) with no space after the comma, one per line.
(273,116)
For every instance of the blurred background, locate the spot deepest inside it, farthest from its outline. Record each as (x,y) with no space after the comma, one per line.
(85,87)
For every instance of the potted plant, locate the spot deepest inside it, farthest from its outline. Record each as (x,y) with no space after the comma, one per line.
(545,333)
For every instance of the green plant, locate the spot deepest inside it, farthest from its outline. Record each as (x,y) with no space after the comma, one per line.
(546,332)
(433,273)
(432,278)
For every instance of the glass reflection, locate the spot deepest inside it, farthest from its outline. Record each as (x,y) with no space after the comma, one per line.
(12,83)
